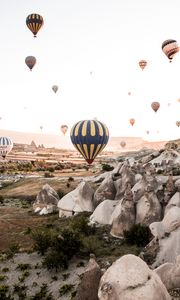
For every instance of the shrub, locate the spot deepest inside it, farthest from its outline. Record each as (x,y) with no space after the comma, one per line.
(55,260)
(43,294)
(106,167)
(91,244)
(14,248)
(60,193)
(70,178)
(65,289)
(48,175)
(138,235)
(5,270)
(1,199)
(79,224)
(20,290)
(23,267)
(50,169)
(3,277)
(42,240)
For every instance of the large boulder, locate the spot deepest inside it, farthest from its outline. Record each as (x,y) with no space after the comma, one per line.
(88,287)
(148,209)
(105,191)
(170,222)
(174,201)
(127,177)
(46,200)
(129,278)
(103,212)
(123,216)
(78,200)
(170,274)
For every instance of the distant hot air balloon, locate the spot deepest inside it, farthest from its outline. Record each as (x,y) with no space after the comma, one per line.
(55,88)
(147,131)
(34,22)
(89,137)
(64,129)
(5,146)
(178,100)
(30,62)
(177,123)
(129,93)
(142,64)
(170,48)
(155,106)
(123,144)
(132,121)
(41,127)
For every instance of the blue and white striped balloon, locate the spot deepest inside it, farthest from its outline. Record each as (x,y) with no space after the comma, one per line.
(5,146)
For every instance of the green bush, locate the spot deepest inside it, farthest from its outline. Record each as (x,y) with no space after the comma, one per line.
(55,260)
(91,244)
(79,224)
(70,178)
(43,294)
(48,175)
(3,277)
(106,167)
(66,289)
(60,193)
(42,240)
(23,267)
(138,235)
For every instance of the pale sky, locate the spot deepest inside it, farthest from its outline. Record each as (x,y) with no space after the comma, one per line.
(105,37)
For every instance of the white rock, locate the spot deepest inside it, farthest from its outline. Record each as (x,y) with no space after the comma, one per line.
(102,213)
(174,201)
(129,278)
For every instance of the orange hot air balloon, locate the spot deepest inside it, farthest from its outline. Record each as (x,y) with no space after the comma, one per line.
(123,144)
(64,129)
(155,106)
(170,48)
(30,62)
(132,121)
(177,123)
(142,64)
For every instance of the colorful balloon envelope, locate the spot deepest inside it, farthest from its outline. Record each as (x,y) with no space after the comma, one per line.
(155,106)
(132,121)
(123,144)
(170,48)
(89,137)
(177,123)
(64,129)
(142,64)
(5,146)
(30,62)
(34,22)
(55,88)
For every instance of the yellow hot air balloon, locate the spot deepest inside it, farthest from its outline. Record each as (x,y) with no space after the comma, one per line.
(30,62)
(155,106)
(132,121)
(34,22)
(123,144)
(55,88)
(64,129)
(177,123)
(142,64)
(6,146)
(89,137)
(170,48)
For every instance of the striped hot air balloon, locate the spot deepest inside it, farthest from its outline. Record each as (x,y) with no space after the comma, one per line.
(142,64)
(89,137)
(5,146)
(170,48)
(34,22)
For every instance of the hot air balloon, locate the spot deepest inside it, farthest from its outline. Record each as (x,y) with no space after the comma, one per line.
(55,88)
(177,123)
(64,129)
(155,106)
(123,144)
(132,121)
(41,127)
(170,48)
(5,146)
(129,93)
(89,137)
(30,62)
(142,64)
(34,22)
(178,100)
(147,131)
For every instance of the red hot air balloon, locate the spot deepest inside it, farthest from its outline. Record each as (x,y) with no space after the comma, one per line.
(155,106)
(132,121)
(142,64)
